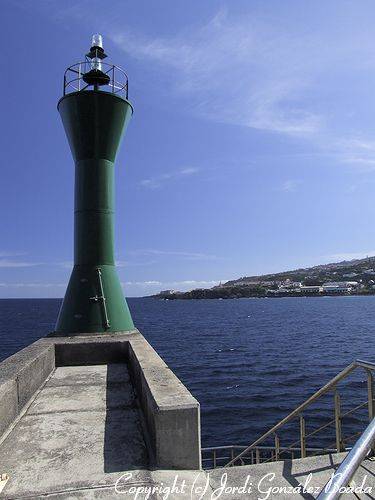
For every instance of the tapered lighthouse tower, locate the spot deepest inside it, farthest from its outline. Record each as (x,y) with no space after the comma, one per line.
(95,112)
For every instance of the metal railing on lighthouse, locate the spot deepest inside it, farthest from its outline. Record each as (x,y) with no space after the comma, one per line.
(117,82)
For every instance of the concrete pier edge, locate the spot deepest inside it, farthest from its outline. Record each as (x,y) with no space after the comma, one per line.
(171,415)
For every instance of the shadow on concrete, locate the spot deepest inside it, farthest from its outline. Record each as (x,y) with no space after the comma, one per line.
(124,447)
(291,478)
(366,469)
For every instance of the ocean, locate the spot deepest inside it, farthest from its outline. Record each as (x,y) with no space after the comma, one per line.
(249,362)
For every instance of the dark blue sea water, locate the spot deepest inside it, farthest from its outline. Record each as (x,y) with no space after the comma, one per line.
(248,361)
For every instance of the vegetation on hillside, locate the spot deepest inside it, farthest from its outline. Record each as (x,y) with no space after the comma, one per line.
(360,273)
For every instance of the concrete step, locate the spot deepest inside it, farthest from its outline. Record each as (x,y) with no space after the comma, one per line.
(287,480)
(300,478)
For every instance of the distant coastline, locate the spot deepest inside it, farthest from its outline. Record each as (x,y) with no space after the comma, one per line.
(355,277)
(238,295)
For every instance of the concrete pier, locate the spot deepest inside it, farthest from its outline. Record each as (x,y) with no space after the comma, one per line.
(102,416)
(82,428)
(79,411)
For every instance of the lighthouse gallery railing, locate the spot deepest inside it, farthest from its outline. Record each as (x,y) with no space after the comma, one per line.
(74,78)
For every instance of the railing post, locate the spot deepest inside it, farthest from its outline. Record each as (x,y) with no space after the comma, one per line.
(370,395)
(257,456)
(302,432)
(277,447)
(338,421)
(214,458)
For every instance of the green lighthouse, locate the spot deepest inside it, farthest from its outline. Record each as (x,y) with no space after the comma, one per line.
(95,112)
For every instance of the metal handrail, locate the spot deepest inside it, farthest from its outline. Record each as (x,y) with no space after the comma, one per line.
(261,447)
(323,390)
(333,489)
(214,457)
(315,431)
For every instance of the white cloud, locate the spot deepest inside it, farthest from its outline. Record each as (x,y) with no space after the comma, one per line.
(129,263)
(154,286)
(14,263)
(11,254)
(158,181)
(290,185)
(66,264)
(244,70)
(174,283)
(237,71)
(7,259)
(178,254)
(357,151)
(360,161)
(338,257)
(32,285)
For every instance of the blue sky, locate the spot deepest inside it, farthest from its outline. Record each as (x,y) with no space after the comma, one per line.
(251,149)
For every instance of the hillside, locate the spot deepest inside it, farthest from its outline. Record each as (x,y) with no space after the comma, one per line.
(346,277)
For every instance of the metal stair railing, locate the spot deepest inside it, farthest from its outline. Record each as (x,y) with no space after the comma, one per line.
(333,489)
(300,445)
(216,456)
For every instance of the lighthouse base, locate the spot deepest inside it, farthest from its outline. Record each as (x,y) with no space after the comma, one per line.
(94,303)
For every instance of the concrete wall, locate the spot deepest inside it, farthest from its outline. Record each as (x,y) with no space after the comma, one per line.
(20,376)
(171,414)
(90,353)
